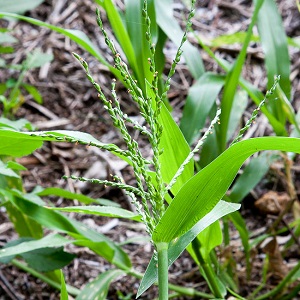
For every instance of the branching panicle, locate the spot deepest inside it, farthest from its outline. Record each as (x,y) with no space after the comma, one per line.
(256,111)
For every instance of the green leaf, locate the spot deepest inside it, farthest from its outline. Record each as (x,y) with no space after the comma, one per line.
(23,225)
(77,36)
(19,6)
(251,176)
(121,33)
(22,143)
(33,92)
(203,191)
(105,211)
(136,27)
(15,166)
(16,125)
(75,196)
(48,259)
(48,241)
(210,238)
(233,38)
(98,288)
(36,59)
(274,44)
(231,83)
(201,97)
(63,290)
(6,171)
(97,242)
(6,37)
(166,21)
(177,247)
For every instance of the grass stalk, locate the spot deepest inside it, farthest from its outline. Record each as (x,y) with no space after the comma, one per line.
(162,263)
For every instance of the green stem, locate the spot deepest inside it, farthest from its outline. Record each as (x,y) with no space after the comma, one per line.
(71,290)
(209,273)
(162,262)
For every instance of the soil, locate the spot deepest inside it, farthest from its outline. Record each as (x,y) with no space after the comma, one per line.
(69,102)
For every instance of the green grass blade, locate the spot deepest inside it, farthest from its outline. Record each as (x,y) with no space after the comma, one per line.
(63,290)
(137,31)
(48,241)
(251,176)
(77,36)
(19,6)
(201,97)
(275,47)
(174,148)
(204,190)
(232,81)
(105,211)
(22,143)
(253,92)
(97,242)
(177,247)
(98,288)
(120,31)
(171,28)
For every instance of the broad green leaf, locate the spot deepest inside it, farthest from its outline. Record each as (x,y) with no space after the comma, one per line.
(15,166)
(120,32)
(23,225)
(105,211)
(252,91)
(210,238)
(33,91)
(6,37)
(174,148)
(36,59)
(48,259)
(69,195)
(16,125)
(21,143)
(251,176)
(63,290)
(98,288)
(231,83)
(47,241)
(166,21)
(274,44)
(77,36)
(97,242)
(239,106)
(136,27)
(203,191)
(19,6)
(177,246)
(200,99)
(232,38)
(6,171)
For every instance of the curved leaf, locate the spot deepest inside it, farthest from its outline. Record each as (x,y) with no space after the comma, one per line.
(106,211)
(201,97)
(204,190)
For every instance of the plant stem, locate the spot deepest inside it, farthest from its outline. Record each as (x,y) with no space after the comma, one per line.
(162,262)
(209,273)
(71,290)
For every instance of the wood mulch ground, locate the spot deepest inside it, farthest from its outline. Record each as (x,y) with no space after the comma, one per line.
(69,102)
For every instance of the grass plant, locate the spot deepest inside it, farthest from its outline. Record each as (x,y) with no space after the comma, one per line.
(190,219)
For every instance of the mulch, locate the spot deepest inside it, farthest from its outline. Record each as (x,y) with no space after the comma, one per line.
(69,102)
